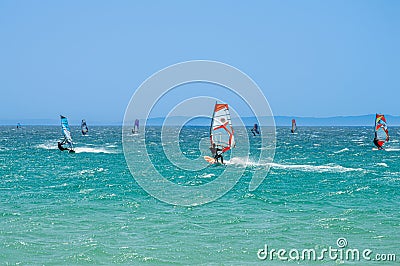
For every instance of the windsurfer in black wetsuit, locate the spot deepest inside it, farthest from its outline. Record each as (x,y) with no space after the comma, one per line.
(59,144)
(376,142)
(214,150)
(255,129)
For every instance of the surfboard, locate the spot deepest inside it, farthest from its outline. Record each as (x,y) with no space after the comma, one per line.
(209,159)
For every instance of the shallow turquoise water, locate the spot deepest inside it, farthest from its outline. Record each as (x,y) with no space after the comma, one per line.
(86,208)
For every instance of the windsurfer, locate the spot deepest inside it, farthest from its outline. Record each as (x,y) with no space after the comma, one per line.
(215,152)
(255,129)
(59,144)
(376,142)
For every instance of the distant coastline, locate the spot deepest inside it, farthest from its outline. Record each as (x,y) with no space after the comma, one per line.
(361,120)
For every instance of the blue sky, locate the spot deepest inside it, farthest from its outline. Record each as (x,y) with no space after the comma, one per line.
(84,59)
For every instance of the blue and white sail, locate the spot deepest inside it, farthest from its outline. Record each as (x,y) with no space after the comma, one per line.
(84,127)
(66,132)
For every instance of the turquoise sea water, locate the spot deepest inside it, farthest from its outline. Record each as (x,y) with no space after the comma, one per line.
(86,208)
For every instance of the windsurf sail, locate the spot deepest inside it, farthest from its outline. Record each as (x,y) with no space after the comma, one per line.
(84,127)
(66,132)
(381,131)
(221,130)
(294,126)
(18,125)
(136,127)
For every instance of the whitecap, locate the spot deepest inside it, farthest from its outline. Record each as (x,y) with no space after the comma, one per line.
(342,150)
(91,150)
(392,149)
(207,175)
(316,168)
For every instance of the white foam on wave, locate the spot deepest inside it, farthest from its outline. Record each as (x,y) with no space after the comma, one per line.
(242,162)
(342,150)
(91,171)
(392,149)
(266,148)
(111,146)
(362,188)
(207,175)
(86,191)
(53,146)
(91,150)
(382,164)
(47,146)
(330,168)
(316,168)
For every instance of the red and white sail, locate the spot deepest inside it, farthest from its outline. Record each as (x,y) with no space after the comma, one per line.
(381,130)
(221,130)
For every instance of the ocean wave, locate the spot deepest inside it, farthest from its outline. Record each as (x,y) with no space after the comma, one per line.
(382,164)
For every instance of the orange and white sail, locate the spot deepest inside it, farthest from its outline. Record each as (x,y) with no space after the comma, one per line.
(221,130)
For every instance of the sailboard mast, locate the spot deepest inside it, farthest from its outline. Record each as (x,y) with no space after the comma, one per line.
(381,131)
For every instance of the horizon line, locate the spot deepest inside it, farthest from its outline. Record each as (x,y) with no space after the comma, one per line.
(157,117)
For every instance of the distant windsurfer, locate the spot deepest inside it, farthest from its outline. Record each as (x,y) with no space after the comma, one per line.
(217,153)
(84,127)
(254,130)
(294,126)
(135,129)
